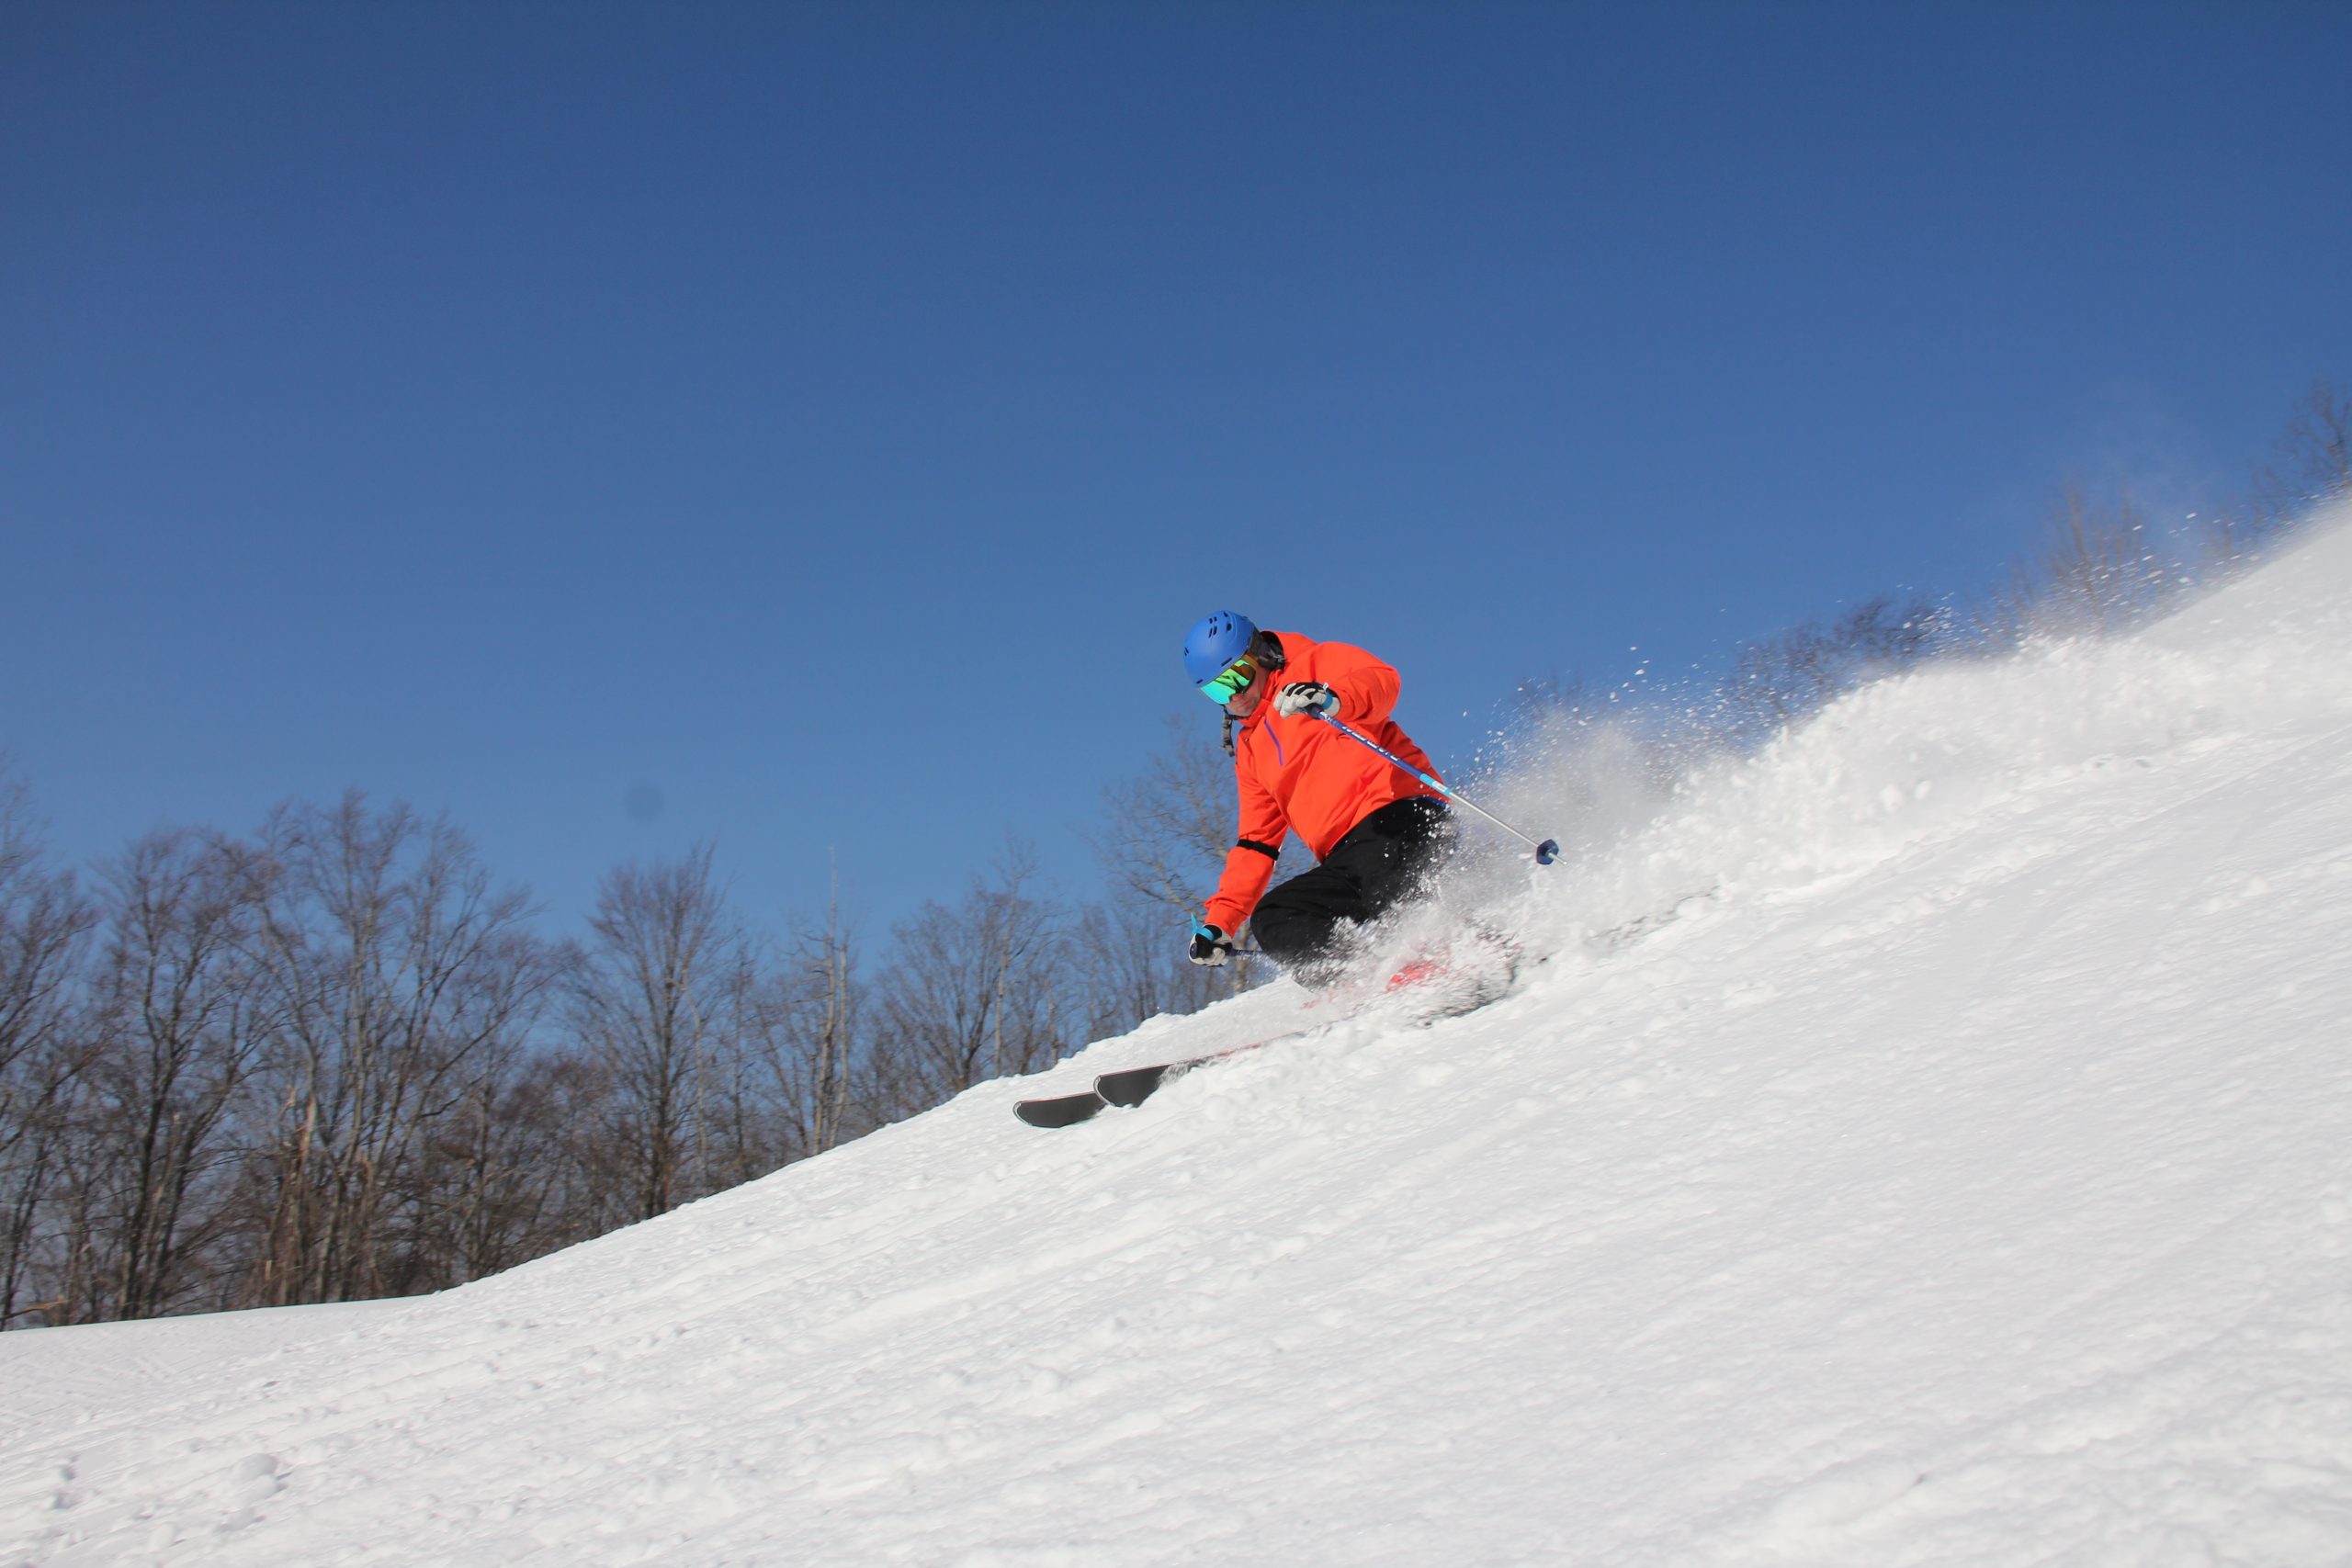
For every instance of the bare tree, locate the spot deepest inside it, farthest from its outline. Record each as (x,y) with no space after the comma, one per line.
(802,1018)
(1162,844)
(178,1009)
(1552,698)
(592,1185)
(650,1000)
(2312,461)
(503,1182)
(2099,570)
(1782,678)
(1125,963)
(397,974)
(2315,452)
(44,921)
(826,959)
(970,991)
(1167,828)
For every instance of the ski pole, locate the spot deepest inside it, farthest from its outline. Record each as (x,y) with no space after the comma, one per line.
(1546,852)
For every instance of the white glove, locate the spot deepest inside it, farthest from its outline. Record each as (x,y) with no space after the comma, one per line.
(1211,947)
(1307,696)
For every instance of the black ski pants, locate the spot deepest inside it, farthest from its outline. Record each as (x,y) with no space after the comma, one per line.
(1383,860)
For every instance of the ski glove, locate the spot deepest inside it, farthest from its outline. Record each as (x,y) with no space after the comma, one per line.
(1210,945)
(1307,696)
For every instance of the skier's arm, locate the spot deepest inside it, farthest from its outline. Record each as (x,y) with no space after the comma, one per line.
(1366,688)
(1249,865)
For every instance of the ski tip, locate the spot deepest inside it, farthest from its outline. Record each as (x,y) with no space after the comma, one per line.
(1133,1086)
(1062,1111)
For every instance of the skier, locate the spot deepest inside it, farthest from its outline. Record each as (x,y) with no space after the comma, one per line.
(1377,833)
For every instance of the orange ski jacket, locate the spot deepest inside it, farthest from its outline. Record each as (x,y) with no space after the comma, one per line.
(1300,774)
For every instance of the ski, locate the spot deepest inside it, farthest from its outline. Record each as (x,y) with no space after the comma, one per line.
(1061,1109)
(1127,1086)
(1431,991)
(1135,1085)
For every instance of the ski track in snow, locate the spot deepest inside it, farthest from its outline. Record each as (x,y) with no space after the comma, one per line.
(1956,1169)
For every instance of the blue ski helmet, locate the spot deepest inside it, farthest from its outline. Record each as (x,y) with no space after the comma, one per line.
(1216,641)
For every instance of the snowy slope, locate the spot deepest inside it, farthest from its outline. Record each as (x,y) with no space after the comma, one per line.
(1960,1171)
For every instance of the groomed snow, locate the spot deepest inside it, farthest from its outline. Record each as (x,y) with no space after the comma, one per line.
(1930,1143)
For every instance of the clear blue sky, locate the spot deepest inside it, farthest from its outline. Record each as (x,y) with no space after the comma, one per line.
(834,415)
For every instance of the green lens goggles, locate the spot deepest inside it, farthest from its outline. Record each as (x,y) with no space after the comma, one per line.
(1231,681)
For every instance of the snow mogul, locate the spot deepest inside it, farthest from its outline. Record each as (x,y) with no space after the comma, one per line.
(1379,826)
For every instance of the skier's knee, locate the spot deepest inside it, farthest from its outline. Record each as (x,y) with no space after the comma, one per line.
(1300,942)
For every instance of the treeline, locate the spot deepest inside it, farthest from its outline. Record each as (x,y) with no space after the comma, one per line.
(337,1059)
(2102,566)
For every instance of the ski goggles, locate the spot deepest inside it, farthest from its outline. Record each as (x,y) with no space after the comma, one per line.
(1231,681)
